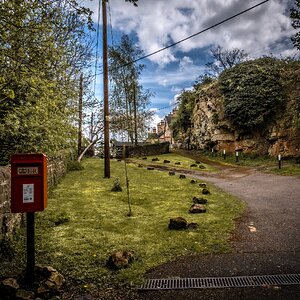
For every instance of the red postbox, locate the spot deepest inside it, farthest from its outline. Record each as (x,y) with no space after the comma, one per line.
(29,188)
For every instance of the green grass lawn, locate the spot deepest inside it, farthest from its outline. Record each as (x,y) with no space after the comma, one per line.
(185,162)
(84,222)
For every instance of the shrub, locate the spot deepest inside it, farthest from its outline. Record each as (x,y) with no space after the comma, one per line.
(252,92)
(74,165)
(117,186)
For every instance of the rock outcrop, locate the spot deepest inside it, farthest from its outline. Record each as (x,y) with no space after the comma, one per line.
(212,130)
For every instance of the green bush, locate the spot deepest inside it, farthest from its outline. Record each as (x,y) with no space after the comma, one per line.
(74,165)
(252,92)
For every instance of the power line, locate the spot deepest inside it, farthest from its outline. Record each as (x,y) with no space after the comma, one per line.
(110,25)
(162,108)
(97,44)
(191,36)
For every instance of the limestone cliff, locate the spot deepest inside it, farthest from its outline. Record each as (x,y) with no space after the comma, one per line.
(211,129)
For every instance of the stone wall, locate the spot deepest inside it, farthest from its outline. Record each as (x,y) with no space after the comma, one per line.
(8,221)
(57,168)
(148,149)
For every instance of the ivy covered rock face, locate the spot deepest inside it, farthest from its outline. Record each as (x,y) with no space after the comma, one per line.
(253,107)
(252,92)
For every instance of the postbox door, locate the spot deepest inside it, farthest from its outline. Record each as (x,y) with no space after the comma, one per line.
(28,193)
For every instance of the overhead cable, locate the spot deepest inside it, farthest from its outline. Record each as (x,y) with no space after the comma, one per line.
(97,44)
(191,36)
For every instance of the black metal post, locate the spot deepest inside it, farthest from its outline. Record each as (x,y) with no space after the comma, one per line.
(30,247)
(236,156)
(279,161)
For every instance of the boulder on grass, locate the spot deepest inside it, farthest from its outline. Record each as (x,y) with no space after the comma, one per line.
(150,168)
(144,158)
(166,161)
(197,162)
(177,163)
(193,181)
(202,184)
(178,223)
(182,176)
(205,192)
(202,167)
(120,259)
(197,209)
(51,281)
(171,173)
(8,288)
(199,200)
(155,159)
(193,165)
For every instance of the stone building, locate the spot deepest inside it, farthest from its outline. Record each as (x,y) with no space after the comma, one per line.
(163,132)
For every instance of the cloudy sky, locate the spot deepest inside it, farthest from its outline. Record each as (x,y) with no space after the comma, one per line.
(155,24)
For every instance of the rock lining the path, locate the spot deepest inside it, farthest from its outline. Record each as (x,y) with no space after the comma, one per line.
(120,259)
(47,284)
(197,209)
(200,200)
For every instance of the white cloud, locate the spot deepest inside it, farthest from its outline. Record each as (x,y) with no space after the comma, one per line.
(175,89)
(155,120)
(187,72)
(158,23)
(185,63)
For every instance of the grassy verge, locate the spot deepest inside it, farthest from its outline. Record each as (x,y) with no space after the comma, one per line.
(263,163)
(173,158)
(84,222)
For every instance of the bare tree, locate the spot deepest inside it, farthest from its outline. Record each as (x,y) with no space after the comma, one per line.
(224,59)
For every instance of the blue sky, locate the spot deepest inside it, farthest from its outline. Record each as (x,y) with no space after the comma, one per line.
(155,24)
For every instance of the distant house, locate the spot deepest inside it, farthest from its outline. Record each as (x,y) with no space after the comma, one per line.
(163,133)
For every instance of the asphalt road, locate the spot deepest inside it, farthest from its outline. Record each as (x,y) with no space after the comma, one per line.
(266,240)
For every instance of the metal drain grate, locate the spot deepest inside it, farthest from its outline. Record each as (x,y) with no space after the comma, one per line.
(220,282)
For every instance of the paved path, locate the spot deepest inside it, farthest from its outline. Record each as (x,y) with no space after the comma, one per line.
(266,241)
(272,222)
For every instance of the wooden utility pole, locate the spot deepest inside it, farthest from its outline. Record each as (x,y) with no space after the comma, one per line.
(135,120)
(80,115)
(105,93)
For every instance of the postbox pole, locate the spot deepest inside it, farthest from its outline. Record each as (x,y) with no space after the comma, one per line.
(30,247)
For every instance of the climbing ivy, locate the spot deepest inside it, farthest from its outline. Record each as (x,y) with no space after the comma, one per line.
(252,92)
(182,122)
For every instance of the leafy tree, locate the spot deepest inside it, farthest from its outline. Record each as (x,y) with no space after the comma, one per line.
(43,49)
(295,16)
(128,99)
(183,119)
(252,92)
